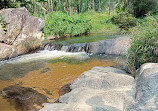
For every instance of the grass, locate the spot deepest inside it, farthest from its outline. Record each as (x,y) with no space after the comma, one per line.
(99,23)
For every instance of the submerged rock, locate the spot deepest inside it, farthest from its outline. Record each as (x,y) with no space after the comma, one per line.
(24,97)
(23,32)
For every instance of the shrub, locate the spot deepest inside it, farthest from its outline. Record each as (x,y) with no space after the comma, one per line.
(58,23)
(144,44)
(124,20)
(142,7)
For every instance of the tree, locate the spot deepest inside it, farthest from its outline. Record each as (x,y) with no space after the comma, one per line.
(142,7)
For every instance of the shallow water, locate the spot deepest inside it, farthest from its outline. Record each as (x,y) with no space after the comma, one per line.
(87,38)
(46,72)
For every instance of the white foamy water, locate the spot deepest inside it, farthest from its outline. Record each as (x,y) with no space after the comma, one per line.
(46,55)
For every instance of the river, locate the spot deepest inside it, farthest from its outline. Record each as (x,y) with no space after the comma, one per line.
(46,71)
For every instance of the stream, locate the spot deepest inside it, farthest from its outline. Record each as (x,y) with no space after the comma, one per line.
(47,71)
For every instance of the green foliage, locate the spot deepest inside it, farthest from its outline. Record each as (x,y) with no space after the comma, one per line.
(3,24)
(144,44)
(99,23)
(58,23)
(124,20)
(7,4)
(142,7)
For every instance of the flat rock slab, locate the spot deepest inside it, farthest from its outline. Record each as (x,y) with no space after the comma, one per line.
(110,89)
(100,89)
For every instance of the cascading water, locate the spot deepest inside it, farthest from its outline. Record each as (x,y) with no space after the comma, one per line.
(79,47)
(47,55)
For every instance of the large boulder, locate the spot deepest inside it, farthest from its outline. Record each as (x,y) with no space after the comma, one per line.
(14,19)
(117,46)
(100,89)
(7,51)
(146,97)
(24,32)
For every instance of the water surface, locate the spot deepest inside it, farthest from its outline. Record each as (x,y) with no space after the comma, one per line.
(46,72)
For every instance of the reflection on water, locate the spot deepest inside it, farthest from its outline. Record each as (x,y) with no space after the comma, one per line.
(46,76)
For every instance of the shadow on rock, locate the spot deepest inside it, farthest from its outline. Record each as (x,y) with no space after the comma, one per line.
(24,98)
(98,104)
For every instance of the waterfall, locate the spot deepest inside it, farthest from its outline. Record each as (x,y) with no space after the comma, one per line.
(78,47)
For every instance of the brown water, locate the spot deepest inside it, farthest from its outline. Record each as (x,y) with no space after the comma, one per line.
(50,77)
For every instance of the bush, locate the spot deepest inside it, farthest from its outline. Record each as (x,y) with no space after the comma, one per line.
(124,20)
(142,7)
(58,23)
(144,44)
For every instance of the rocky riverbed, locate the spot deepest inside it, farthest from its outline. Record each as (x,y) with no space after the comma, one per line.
(111,89)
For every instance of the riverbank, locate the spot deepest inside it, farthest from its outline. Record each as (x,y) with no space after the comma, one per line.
(59,25)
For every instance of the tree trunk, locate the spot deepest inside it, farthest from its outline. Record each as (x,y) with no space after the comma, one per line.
(99,6)
(65,7)
(113,6)
(109,7)
(70,7)
(89,5)
(93,6)
(73,7)
(51,4)
(59,5)
(34,6)
(79,4)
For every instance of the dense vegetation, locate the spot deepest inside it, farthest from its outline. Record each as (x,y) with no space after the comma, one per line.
(136,7)
(58,23)
(76,17)
(144,43)
(124,20)
(61,24)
